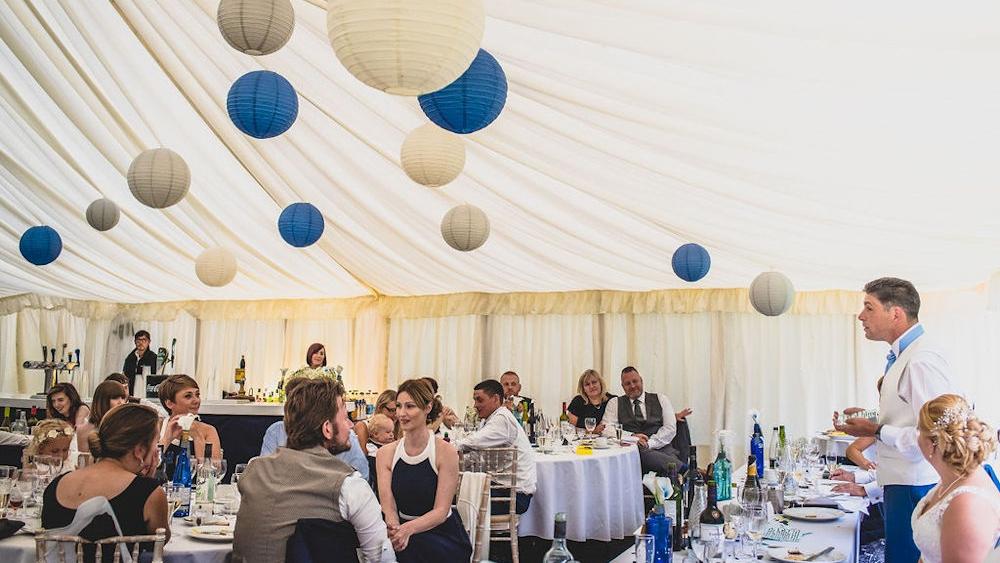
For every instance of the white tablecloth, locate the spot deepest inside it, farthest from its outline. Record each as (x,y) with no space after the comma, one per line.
(180,549)
(601,495)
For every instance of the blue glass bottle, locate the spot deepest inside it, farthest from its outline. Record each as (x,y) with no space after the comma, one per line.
(658,525)
(757,445)
(182,477)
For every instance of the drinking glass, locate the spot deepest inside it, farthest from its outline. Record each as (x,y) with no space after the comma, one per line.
(756,525)
(737,516)
(618,431)
(832,459)
(6,482)
(590,423)
(645,548)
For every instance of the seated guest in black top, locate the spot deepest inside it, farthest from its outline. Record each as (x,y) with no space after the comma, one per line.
(591,400)
(125,449)
(511,383)
(62,401)
(140,356)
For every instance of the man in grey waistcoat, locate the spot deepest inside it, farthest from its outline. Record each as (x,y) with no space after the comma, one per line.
(647,417)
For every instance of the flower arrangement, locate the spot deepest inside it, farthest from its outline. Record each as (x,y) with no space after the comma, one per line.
(659,486)
(316,373)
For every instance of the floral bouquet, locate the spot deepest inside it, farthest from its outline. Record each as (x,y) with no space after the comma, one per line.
(659,486)
(316,373)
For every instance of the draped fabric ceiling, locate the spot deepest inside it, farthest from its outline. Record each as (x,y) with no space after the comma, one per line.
(833,144)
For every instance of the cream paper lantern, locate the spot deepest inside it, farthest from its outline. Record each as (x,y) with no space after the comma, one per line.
(405,47)
(159,178)
(465,227)
(432,156)
(103,214)
(772,293)
(256,27)
(215,267)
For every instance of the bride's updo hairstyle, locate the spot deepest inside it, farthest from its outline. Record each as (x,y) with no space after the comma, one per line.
(964,441)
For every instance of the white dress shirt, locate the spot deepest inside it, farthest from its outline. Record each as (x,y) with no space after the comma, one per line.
(926,377)
(501,430)
(662,437)
(359,507)
(868,479)
(14,439)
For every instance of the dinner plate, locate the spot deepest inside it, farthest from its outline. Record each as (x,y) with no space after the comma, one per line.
(207,520)
(813,514)
(781,554)
(212,533)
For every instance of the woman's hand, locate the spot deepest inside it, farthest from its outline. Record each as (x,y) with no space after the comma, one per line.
(400,536)
(173,429)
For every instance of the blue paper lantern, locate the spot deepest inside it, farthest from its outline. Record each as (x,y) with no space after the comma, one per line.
(691,262)
(40,245)
(472,101)
(301,224)
(262,104)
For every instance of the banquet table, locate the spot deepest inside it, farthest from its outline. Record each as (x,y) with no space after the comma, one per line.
(600,493)
(180,549)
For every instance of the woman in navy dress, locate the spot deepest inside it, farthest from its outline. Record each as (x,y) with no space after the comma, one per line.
(417,478)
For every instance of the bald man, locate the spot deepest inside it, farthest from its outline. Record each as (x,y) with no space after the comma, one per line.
(511,384)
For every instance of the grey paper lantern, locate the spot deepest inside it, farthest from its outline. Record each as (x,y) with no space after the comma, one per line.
(103,214)
(404,47)
(465,227)
(159,178)
(215,267)
(256,27)
(772,293)
(432,156)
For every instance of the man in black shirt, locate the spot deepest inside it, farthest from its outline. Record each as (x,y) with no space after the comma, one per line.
(140,356)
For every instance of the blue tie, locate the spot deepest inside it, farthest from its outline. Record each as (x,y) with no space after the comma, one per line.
(891,360)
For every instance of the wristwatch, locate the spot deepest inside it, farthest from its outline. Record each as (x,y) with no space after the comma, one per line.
(878,432)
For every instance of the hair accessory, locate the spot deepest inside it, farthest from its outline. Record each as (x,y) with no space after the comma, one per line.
(957,413)
(974,443)
(55,433)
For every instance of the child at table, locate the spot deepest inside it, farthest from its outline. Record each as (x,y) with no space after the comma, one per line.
(180,395)
(381,432)
(50,437)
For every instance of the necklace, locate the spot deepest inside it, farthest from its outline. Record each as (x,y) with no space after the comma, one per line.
(946,489)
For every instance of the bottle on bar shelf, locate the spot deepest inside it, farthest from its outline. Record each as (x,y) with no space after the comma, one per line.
(33,419)
(5,423)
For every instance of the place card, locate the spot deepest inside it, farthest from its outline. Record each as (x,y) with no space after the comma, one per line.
(782,533)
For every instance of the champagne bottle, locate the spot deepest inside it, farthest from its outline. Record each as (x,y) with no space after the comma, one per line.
(698,504)
(723,473)
(182,476)
(675,507)
(751,489)
(711,520)
(558,553)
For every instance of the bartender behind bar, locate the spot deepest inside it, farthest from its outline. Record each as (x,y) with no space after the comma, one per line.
(139,357)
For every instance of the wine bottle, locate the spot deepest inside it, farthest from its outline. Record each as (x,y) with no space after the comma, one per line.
(772,449)
(711,520)
(751,488)
(782,441)
(563,417)
(723,473)
(675,507)
(757,446)
(691,477)
(182,476)
(698,503)
(207,477)
(161,470)
(33,419)
(558,553)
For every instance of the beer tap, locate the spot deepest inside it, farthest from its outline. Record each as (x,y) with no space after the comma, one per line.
(53,350)
(77,356)
(45,352)
(63,355)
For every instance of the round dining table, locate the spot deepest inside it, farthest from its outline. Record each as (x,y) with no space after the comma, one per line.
(601,494)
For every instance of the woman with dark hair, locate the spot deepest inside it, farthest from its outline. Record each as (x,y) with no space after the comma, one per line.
(417,478)
(447,416)
(63,402)
(109,394)
(316,356)
(125,449)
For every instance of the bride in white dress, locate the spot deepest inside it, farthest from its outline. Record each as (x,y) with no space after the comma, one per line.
(959,519)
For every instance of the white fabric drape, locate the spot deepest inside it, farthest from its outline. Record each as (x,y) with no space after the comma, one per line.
(761,133)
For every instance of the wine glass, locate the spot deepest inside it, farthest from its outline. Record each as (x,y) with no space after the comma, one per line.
(645,548)
(590,423)
(737,516)
(832,458)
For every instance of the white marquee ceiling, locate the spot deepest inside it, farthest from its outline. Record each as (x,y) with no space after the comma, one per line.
(833,143)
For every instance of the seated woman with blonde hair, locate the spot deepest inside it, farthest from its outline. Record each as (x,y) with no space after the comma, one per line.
(50,437)
(385,405)
(590,402)
(958,521)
